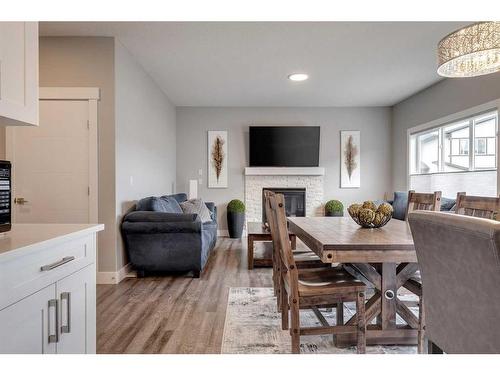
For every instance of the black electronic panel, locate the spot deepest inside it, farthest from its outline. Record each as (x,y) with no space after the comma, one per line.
(284,146)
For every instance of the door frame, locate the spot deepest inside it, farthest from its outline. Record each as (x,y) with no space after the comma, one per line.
(92,96)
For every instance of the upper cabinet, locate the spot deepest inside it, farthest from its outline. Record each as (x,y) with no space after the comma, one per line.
(18,73)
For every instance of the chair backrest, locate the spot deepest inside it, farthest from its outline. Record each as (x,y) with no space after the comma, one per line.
(487,207)
(423,201)
(272,228)
(277,203)
(459,263)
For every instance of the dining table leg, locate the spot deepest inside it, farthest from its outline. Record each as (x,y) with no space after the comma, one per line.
(386,279)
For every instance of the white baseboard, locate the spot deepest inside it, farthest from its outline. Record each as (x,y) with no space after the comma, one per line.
(114,277)
(222,233)
(225,233)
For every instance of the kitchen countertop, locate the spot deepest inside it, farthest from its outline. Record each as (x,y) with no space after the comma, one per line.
(22,237)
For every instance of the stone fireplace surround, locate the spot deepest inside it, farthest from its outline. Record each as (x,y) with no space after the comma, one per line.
(257,178)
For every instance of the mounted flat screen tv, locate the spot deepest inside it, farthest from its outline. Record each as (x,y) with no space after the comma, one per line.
(284,146)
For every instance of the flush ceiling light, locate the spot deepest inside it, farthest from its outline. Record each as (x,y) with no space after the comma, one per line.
(298,77)
(471,51)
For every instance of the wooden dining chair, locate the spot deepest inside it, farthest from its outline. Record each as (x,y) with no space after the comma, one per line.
(485,207)
(304,258)
(313,288)
(423,201)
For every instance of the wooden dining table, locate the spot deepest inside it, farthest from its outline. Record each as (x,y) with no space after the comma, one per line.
(384,258)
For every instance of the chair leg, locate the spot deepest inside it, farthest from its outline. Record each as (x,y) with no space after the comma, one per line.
(295,328)
(361,322)
(421,326)
(284,308)
(339,314)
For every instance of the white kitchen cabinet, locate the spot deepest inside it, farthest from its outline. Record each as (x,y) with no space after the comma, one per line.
(48,289)
(18,73)
(76,294)
(25,326)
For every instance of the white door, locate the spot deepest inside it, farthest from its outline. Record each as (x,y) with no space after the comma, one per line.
(76,299)
(25,327)
(50,165)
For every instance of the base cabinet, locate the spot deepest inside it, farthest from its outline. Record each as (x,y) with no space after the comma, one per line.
(26,325)
(57,319)
(76,296)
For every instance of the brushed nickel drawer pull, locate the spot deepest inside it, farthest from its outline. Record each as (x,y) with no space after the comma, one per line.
(51,266)
(66,296)
(53,338)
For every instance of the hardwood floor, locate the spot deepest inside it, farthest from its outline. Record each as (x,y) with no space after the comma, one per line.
(175,314)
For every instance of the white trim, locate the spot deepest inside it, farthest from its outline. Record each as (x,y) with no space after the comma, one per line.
(69,93)
(284,171)
(115,277)
(225,233)
(469,112)
(222,233)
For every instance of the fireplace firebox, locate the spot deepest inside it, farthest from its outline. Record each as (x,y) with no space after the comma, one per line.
(295,201)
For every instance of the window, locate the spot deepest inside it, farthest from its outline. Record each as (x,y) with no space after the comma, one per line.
(466,145)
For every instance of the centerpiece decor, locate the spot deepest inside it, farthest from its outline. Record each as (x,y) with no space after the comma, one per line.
(471,51)
(368,215)
(334,208)
(235,218)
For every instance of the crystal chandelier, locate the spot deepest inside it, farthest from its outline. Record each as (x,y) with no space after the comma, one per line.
(471,51)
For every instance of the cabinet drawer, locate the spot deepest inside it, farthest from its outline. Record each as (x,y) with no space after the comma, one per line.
(24,275)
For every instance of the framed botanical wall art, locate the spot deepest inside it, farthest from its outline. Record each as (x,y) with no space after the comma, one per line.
(350,149)
(217,159)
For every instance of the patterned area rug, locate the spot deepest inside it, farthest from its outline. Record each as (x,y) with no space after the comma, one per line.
(253,326)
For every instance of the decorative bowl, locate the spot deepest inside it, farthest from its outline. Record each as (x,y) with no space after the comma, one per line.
(368,215)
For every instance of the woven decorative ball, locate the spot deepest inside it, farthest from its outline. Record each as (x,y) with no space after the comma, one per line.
(368,215)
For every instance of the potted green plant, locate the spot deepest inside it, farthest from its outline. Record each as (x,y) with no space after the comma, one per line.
(235,218)
(334,208)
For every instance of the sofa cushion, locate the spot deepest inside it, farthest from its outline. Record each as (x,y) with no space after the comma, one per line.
(197,206)
(159,204)
(447,204)
(180,197)
(400,204)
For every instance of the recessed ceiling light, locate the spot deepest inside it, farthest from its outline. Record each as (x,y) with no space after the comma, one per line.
(298,77)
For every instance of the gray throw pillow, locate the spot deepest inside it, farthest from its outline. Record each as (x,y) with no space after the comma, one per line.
(197,206)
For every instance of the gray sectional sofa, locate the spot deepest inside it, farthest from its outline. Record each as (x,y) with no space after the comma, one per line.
(159,237)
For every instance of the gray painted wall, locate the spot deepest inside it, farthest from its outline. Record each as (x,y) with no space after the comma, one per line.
(145,138)
(444,98)
(88,61)
(374,123)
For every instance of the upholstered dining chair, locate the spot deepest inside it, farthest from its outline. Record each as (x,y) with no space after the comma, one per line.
(459,258)
(487,207)
(313,288)
(425,202)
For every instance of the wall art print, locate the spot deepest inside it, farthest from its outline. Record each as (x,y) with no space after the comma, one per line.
(217,159)
(350,149)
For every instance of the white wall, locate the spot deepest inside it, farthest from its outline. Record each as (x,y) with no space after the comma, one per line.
(374,123)
(145,138)
(447,97)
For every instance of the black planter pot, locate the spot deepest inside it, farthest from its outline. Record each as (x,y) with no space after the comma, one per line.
(336,214)
(235,223)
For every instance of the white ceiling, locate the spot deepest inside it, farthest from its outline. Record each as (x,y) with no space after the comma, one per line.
(246,64)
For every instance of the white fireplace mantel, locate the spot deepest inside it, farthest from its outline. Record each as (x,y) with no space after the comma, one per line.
(284,171)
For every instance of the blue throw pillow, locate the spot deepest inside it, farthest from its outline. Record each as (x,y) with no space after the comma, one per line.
(159,204)
(179,197)
(169,204)
(400,204)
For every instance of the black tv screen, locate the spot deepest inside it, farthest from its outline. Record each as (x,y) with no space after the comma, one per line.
(284,146)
